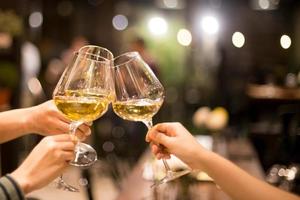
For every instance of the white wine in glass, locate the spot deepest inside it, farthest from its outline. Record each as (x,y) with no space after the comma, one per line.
(82,106)
(137,110)
(138,96)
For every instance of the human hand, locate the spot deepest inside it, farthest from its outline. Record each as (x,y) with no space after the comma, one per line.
(45,162)
(176,140)
(45,119)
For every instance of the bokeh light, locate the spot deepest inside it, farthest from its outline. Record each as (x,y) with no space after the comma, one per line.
(157,26)
(171,3)
(238,39)
(34,86)
(285,41)
(184,37)
(35,19)
(210,25)
(120,22)
(108,146)
(264,4)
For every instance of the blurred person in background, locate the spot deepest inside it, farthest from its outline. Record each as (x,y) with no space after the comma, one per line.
(49,158)
(237,183)
(139,44)
(56,66)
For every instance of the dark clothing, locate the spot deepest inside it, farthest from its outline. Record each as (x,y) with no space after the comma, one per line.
(9,189)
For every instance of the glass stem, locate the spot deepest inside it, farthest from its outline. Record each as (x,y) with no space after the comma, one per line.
(149,125)
(73,126)
(168,169)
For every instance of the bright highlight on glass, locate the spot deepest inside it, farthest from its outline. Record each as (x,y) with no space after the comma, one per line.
(184,37)
(120,22)
(285,41)
(157,26)
(210,25)
(238,39)
(35,19)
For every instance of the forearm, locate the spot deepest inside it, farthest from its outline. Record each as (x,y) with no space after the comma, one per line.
(14,124)
(239,184)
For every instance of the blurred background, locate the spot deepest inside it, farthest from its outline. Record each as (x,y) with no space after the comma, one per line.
(230,68)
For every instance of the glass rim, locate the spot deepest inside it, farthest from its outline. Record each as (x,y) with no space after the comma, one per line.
(102,48)
(134,53)
(79,54)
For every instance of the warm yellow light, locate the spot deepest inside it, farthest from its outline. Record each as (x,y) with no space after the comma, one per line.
(184,37)
(157,25)
(285,41)
(238,39)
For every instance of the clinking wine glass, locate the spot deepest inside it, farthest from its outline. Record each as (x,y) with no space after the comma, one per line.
(83,95)
(138,96)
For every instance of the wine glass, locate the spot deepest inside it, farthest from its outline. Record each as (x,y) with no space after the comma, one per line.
(83,95)
(138,96)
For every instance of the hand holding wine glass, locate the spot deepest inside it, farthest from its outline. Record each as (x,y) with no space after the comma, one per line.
(138,96)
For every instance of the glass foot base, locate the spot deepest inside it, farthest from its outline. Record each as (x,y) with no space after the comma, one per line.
(85,155)
(171,176)
(62,185)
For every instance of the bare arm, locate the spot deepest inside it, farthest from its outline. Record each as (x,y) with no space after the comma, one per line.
(14,124)
(43,119)
(233,180)
(239,184)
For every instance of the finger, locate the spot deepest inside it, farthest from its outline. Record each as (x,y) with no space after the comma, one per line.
(89,123)
(159,156)
(154,149)
(163,156)
(80,135)
(167,128)
(147,139)
(67,146)
(62,137)
(68,155)
(159,138)
(163,149)
(61,126)
(162,127)
(85,129)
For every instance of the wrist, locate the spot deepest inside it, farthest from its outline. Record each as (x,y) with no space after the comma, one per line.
(27,121)
(202,159)
(22,181)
